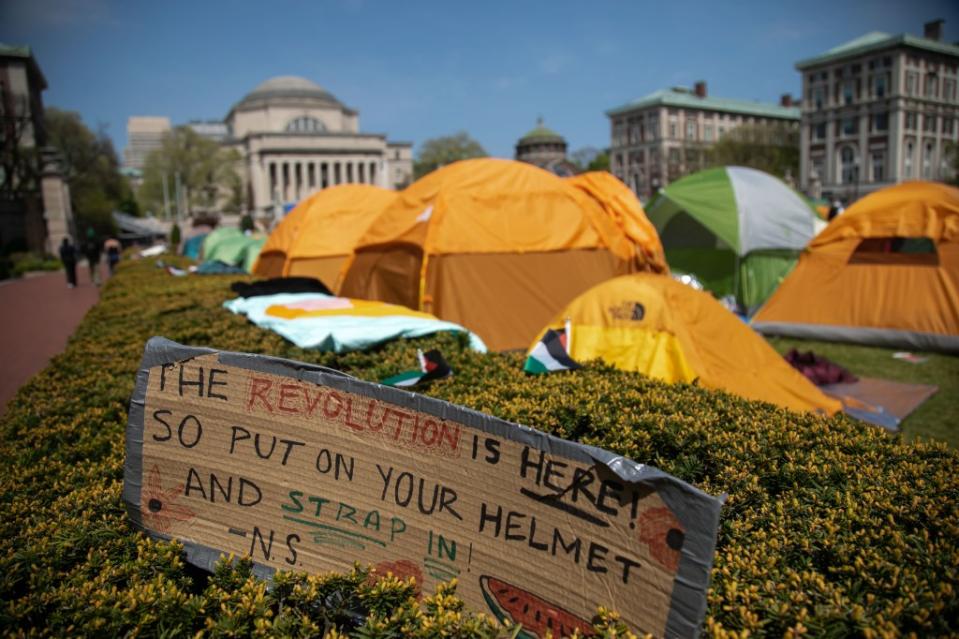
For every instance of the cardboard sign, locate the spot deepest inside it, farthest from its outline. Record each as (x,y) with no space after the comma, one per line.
(304,468)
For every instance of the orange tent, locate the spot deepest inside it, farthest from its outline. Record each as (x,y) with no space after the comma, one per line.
(667,330)
(317,236)
(494,245)
(623,207)
(884,272)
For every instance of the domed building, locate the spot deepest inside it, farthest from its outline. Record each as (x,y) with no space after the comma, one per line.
(296,138)
(546,149)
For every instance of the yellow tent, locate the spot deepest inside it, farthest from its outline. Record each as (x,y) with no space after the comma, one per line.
(655,325)
(884,272)
(494,245)
(317,236)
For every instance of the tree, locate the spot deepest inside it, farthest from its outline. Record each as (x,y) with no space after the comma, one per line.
(208,174)
(437,152)
(91,169)
(599,163)
(773,148)
(583,157)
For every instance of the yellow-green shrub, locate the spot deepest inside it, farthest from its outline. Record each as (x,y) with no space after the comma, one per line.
(832,528)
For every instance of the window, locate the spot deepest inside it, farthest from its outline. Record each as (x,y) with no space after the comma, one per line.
(722,130)
(850,126)
(878,166)
(929,123)
(880,122)
(908,159)
(819,131)
(911,121)
(849,171)
(932,85)
(672,128)
(690,130)
(927,161)
(708,132)
(305,124)
(949,90)
(674,156)
(848,93)
(879,85)
(947,126)
(819,96)
(912,82)
(918,251)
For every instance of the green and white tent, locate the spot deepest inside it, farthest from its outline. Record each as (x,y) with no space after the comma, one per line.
(737,229)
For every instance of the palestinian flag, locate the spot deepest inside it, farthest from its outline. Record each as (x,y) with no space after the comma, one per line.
(550,354)
(432,366)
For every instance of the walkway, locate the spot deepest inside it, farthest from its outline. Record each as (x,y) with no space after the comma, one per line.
(38,314)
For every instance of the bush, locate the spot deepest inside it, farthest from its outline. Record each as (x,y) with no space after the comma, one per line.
(832,527)
(175,234)
(28,262)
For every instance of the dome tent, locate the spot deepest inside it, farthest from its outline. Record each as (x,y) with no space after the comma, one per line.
(885,272)
(236,250)
(494,245)
(317,236)
(737,229)
(667,330)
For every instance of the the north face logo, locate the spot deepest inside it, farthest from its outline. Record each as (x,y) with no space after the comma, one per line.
(628,311)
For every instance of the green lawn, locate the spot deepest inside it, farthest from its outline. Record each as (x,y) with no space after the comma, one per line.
(938,418)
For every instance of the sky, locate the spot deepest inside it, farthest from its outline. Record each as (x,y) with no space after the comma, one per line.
(417,70)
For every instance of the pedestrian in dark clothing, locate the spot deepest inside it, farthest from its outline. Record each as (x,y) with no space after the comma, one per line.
(91,250)
(68,255)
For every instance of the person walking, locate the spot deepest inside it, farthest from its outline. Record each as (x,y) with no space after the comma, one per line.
(112,247)
(68,255)
(91,250)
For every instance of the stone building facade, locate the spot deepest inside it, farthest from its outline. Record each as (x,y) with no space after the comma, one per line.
(35,210)
(296,138)
(663,136)
(878,110)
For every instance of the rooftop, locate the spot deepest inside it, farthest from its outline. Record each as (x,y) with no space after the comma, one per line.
(682,97)
(287,88)
(875,41)
(541,132)
(23,51)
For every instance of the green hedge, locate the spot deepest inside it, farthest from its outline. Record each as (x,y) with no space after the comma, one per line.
(832,527)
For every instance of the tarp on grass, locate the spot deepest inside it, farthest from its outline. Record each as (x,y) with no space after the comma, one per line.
(339,324)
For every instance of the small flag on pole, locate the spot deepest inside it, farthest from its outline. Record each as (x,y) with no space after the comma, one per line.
(432,366)
(551,354)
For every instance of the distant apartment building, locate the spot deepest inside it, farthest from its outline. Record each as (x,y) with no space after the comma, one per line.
(144,134)
(663,136)
(878,110)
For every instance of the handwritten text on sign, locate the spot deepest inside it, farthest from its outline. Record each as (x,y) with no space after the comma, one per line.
(309,477)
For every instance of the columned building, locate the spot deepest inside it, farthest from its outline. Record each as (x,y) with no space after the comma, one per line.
(878,110)
(296,138)
(661,137)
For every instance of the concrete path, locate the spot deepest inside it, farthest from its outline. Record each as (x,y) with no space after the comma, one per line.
(37,315)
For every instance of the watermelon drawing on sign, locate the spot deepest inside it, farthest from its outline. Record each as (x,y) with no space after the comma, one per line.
(535,615)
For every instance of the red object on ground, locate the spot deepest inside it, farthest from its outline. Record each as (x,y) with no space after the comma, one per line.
(37,316)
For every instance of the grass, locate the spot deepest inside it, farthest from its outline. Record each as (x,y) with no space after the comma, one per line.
(938,418)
